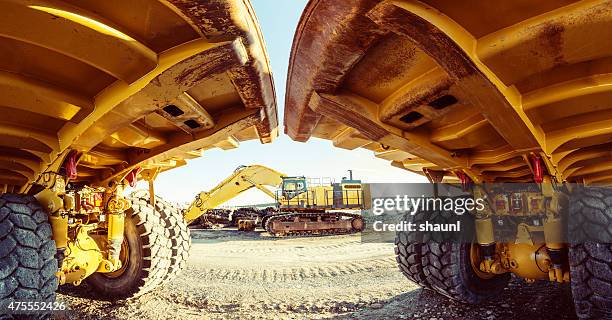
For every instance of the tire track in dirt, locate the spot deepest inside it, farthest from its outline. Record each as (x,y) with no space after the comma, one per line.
(297,273)
(292,259)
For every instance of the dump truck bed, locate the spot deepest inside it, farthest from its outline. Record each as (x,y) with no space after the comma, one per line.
(477,87)
(127,84)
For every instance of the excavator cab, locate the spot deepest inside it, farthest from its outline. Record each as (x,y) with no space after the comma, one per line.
(293,186)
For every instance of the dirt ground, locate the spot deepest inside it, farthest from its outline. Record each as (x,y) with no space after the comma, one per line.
(233,275)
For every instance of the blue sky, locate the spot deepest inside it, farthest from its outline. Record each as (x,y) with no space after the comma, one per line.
(316,158)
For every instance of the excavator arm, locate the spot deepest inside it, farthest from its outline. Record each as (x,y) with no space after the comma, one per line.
(243,178)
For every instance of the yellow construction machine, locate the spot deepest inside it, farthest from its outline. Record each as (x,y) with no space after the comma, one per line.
(304,207)
(479,92)
(95,95)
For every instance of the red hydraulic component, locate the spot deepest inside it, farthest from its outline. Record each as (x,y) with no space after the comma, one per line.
(538,171)
(131,177)
(92,201)
(87,205)
(70,165)
(97,199)
(465,180)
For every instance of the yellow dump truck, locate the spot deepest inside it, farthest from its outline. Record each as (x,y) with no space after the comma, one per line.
(95,95)
(478,92)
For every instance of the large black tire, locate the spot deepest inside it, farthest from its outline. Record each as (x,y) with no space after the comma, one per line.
(448,269)
(444,266)
(409,254)
(179,234)
(27,251)
(591,262)
(148,244)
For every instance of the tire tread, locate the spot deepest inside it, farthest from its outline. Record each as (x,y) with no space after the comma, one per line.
(591,262)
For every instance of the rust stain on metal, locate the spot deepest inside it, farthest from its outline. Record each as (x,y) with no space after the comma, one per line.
(425,36)
(421,93)
(213,18)
(399,57)
(218,60)
(326,46)
(246,81)
(348,113)
(218,21)
(388,70)
(551,38)
(163,88)
(479,89)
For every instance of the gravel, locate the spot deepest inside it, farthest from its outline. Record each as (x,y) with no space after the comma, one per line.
(246,275)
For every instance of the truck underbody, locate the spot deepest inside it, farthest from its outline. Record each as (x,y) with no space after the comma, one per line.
(96,95)
(490,92)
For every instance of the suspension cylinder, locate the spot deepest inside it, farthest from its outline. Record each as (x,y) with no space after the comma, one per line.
(485,236)
(554,238)
(554,233)
(115,235)
(484,231)
(59,225)
(486,241)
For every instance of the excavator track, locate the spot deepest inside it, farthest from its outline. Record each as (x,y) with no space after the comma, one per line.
(312,224)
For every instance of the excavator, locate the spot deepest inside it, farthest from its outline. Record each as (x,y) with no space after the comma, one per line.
(303,207)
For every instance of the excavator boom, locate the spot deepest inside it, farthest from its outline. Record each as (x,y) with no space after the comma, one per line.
(243,179)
